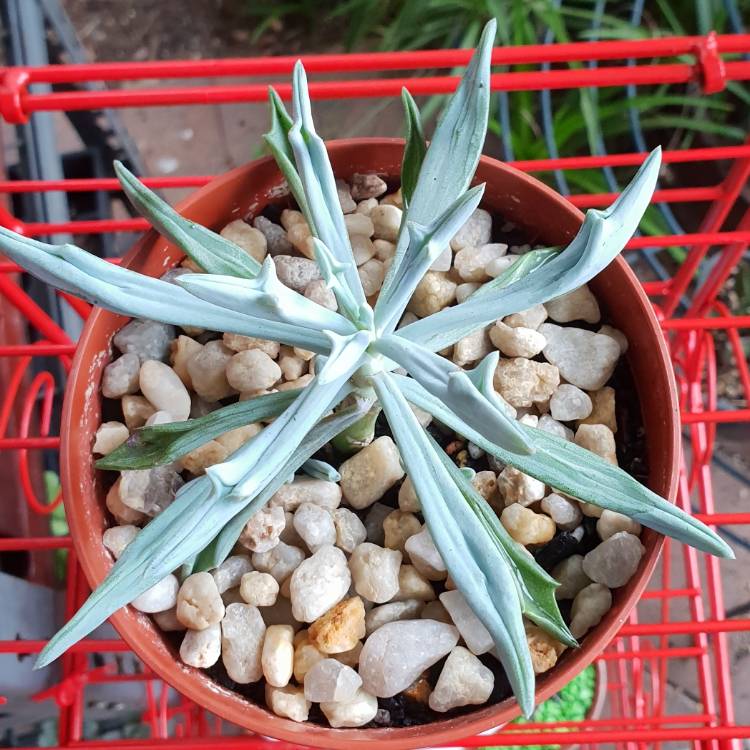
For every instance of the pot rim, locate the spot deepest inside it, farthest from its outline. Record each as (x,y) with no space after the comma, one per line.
(137,630)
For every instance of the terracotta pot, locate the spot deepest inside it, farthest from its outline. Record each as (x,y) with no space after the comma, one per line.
(245,192)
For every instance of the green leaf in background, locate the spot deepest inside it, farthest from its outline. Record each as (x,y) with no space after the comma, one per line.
(208,249)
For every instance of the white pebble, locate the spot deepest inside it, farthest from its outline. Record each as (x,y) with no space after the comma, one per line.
(201,648)
(307,490)
(584,358)
(396,654)
(532,317)
(386,221)
(564,512)
(580,304)
(357,712)
(277,655)
(199,603)
(476,636)
(475,232)
(570,575)
(329,680)
(259,589)
(463,681)
(516,487)
(569,402)
(117,538)
(523,382)
(350,531)
(371,274)
(289,702)
(598,439)
(242,634)
(109,435)
(374,571)
(161,596)
(589,606)
(314,525)
(527,527)
(610,523)
(518,341)
(615,560)
(407,609)
(280,562)
(369,474)
(319,583)
(229,574)
(120,377)
(261,533)
(425,557)
(471,262)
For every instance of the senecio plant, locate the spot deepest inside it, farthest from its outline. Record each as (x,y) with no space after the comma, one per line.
(360,358)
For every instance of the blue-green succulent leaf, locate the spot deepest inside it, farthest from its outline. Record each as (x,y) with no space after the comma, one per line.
(415,148)
(129,293)
(427,243)
(320,185)
(221,546)
(277,139)
(475,564)
(602,236)
(318,469)
(333,274)
(451,158)
(454,387)
(536,588)
(579,473)
(250,467)
(265,298)
(208,249)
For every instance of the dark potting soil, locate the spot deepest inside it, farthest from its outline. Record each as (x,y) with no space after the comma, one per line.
(410,707)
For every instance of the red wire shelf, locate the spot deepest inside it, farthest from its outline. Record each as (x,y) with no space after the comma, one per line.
(680,624)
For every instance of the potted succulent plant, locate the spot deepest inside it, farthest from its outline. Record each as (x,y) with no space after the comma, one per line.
(262,514)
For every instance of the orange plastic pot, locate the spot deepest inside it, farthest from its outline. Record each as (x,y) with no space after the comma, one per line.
(244,192)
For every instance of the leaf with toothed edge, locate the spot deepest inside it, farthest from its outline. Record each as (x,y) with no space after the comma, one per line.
(265,298)
(600,239)
(164,443)
(475,564)
(319,184)
(577,472)
(129,293)
(277,139)
(536,588)
(325,431)
(427,243)
(449,162)
(208,249)
(454,387)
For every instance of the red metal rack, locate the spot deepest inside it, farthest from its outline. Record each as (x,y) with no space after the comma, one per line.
(680,628)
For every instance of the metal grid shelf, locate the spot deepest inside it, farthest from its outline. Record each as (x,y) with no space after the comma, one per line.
(685,599)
